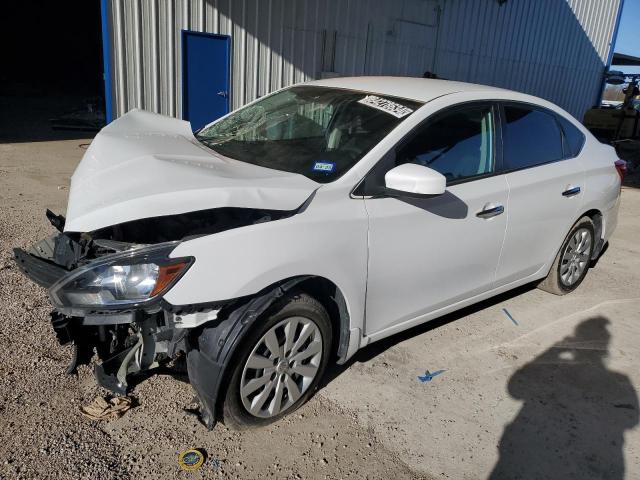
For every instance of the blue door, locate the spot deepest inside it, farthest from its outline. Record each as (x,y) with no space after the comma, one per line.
(205,77)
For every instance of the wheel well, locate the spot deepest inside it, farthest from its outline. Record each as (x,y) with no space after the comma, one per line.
(220,341)
(598,225)
(596,218)
(331,298)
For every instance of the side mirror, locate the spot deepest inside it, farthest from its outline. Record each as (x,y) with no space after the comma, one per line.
(415,179)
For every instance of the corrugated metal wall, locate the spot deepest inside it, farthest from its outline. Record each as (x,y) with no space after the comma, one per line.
(555,49)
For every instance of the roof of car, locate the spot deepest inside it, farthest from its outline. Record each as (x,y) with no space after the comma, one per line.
(419,89)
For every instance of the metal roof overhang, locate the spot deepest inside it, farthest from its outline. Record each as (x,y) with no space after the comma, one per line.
(623,59)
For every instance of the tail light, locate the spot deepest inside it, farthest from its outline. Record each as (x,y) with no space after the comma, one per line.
(621,167)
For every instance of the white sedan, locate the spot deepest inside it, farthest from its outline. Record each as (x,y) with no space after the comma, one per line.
(310,223)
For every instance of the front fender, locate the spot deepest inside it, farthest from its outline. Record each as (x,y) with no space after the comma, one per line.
(211,348)
(328,239)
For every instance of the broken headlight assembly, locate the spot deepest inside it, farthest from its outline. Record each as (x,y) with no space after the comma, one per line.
(123,280)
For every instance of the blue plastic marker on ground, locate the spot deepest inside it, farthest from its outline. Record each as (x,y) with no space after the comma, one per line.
(510,317)
(428,376)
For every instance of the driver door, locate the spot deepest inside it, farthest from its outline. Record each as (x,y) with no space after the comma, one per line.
(429,253)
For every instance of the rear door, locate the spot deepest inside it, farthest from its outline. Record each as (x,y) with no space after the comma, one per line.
(546,188)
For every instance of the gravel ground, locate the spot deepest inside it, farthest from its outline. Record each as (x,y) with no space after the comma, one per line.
(42,433)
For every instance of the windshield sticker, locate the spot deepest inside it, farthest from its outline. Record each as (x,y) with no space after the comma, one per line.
(326,167)
(385,105)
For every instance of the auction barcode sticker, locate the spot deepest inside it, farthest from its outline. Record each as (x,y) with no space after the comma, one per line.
(385,105)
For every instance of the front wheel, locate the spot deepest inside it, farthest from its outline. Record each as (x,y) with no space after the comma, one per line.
(279,364)
(573,260)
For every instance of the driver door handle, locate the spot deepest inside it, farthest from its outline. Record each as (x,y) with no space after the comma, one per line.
(490,210)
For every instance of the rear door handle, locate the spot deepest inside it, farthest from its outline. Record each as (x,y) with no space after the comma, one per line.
(571,191)
(490,210)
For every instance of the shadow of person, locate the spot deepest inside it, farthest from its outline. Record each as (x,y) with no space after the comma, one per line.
(575,412)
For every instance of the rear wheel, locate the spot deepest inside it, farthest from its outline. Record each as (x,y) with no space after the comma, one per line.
(573,260)
(279,365)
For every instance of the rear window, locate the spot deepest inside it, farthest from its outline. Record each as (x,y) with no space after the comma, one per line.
(531,137)
(574,138)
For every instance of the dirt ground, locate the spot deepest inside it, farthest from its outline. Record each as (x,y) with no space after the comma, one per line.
(549,393)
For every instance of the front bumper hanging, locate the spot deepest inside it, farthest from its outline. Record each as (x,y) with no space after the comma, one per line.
(39,270)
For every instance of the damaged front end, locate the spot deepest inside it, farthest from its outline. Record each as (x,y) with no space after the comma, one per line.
(107,288)
(107,296)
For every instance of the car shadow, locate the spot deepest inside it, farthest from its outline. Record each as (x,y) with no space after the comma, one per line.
(373,350)
(575,412)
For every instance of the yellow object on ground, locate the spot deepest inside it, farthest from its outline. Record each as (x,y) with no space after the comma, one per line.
(190,460)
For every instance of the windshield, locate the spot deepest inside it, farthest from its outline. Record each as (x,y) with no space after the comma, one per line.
(318,132)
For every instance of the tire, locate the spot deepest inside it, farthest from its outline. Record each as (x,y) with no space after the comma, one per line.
(559,281)
(293,318)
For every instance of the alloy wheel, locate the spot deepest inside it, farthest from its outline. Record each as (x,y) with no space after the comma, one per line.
(575,258)
(281,367)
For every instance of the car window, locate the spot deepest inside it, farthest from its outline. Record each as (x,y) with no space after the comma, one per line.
(530,137)
(574,138)
(458,144)
(318,132)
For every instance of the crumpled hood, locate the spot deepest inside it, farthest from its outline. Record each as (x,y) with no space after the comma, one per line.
(147,165)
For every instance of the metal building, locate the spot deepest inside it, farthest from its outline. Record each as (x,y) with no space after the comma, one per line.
(555,49)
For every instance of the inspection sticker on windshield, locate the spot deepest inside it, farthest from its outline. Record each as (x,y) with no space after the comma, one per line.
(327,167)
(385,105)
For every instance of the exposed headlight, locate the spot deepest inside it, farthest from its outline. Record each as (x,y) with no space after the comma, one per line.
(123,279)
